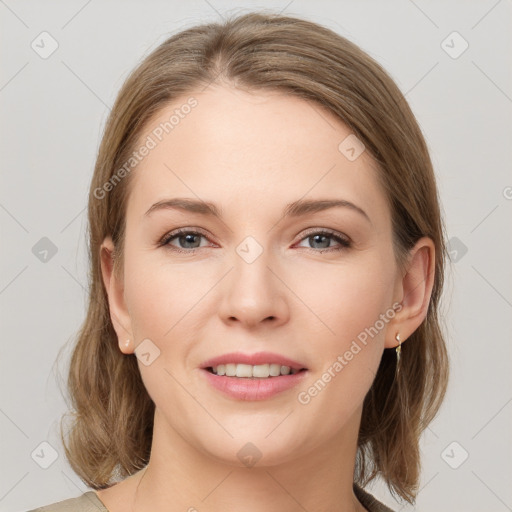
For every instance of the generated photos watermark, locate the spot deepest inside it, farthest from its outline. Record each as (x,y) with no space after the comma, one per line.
(151,142)
(305,397)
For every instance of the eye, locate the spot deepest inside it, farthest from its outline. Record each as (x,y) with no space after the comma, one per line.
(188,240)
(323,241)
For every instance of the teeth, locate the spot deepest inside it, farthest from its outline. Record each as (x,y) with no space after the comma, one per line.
(275,370)
(243,370)
(261,371)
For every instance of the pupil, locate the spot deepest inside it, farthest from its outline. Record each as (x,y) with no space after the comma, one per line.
(315,237)
(188,239)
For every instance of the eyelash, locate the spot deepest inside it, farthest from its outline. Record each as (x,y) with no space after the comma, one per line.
(338,237)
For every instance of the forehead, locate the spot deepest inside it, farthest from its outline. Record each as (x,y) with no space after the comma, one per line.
(250,149)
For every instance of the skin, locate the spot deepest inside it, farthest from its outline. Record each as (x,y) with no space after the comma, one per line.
(252,153)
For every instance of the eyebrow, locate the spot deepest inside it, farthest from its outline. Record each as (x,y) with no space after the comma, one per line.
(296,209)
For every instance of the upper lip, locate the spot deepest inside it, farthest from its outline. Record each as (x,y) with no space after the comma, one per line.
(253,359)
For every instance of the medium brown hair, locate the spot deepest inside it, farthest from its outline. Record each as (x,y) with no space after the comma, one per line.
(112,419)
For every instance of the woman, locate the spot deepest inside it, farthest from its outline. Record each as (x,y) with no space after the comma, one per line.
(265,234)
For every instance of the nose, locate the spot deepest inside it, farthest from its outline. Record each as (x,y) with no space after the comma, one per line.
(254,294)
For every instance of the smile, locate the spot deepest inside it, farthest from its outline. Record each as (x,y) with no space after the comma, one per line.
(260,371)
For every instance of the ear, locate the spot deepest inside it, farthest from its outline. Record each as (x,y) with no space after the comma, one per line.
(413,290)
(115,290)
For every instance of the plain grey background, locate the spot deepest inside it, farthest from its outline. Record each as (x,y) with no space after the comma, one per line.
(452,61)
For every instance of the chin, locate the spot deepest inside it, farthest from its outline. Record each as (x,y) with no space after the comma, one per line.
(246,451)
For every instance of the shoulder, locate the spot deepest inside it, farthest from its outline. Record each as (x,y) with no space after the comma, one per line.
(87,502)
(368,501)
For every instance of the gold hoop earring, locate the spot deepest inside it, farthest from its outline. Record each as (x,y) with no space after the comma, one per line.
(398,353)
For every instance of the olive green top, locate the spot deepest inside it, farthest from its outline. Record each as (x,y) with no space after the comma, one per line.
(90,502)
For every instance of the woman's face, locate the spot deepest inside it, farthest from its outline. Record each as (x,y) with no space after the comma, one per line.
(314,285)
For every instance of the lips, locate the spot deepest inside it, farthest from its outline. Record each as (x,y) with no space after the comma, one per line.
(253,388)
(253,360)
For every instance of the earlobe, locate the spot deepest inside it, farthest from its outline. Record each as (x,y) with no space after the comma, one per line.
(415,289)
(126,347)
(115,291)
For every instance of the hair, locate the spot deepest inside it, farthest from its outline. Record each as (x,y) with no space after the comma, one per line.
(112,422)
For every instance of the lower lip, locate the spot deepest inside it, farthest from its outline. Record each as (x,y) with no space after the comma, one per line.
(253,388)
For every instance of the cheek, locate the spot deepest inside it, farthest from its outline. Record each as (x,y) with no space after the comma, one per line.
(349,303)
(352,311)
(347,299)
(160,300)
(159,295)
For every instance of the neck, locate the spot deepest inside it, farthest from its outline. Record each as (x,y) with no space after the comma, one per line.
(179,477)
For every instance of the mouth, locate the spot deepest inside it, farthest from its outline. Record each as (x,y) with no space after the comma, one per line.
(259,376)
(253,388)
(247,371)
(261,365)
